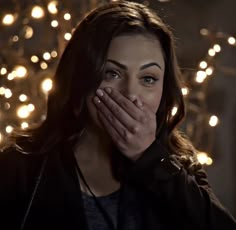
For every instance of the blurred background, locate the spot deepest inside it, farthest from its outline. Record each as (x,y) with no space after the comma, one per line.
(33,34)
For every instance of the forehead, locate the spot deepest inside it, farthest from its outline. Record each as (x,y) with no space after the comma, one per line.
(136,48)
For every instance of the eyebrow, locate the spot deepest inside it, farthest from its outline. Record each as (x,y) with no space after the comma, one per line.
(141,68)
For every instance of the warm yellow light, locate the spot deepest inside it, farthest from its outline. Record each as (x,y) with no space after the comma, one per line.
(209,71)
(54,23)
(7,106)
(46,56)
(213,121)
(217,48)
(37,12)
(211,52)
(8,19)
(54,53)
(43,65)
(34,59)
(200,77)
(67,36)
(8,93)
(47,85)
(1,137)
(52,7)
(15,38)
(231,40)
(3,71)
(23,98)
(2,90)
(67,16)
(203,64)
(11,76)
(204,32)
(174,111)
(28,32)
(202,157)
(31,107)
(185,91)
(21,71)
(23,111)
(209,161)
(24,125)
(9,129)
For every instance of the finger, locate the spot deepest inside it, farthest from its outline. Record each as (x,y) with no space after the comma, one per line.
(113,111)
(112,131)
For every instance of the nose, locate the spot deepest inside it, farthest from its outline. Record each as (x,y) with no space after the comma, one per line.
(130,90)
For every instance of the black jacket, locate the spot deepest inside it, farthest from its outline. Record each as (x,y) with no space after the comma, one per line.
(44,192)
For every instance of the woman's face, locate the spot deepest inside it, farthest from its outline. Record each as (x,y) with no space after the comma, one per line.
(135,67)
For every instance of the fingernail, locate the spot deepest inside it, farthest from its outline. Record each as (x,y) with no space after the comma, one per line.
(96,100)
(99,92)
(108,90)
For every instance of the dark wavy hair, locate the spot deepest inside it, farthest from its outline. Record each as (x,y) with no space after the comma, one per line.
(80,72)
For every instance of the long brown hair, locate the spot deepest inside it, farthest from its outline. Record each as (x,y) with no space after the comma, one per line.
(80,72)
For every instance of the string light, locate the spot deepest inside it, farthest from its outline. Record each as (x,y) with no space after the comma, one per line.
(231,40)
(28,32)
(37,12)
(203,64)
(23,98)
(54,23)
(34,59)
(31,107)
(46,56)
(1,137)
(8,19)
(15,38)
(23,112)
(8,93)
(201,76)
(203,158)
(54,53)
(9,129)
(217,48)
(24,125)
(213,121)
(211,52)
(47,85)
(67,36)
(43,65)
(67,16)
(20,71)
(185,91)
(3,71)
(52,7)
(209,70)
(2,90)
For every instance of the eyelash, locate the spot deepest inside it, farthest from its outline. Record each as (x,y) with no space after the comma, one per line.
(145,77)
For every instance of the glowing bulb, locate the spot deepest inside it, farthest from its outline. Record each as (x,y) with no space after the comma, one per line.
(7,106)
(37,12)
(203,64)
(231,40)
(28,32)
(54,23)
(2,90)
(31,107)
(1,137)
(15,38)
(67,16)
(201,75)
(8,93)
(23,111)
(43,65)
(54,54)
(185,91)
(209,71)
(23,97)
(67,36)
(20,71)
(9,129)
(47,85)
(24,125)
(3,71)
(202,157)
(211,52)
(209,161)
(52,7)
(204,32)
(174,111)
(213,121)
(8,19)
(11,76)
(217,48)
(46,56)
(34,59)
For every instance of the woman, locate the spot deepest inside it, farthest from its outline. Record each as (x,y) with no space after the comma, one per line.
(109,155)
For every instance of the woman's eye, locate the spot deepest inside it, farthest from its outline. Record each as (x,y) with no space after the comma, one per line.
(110,74)
(149,80)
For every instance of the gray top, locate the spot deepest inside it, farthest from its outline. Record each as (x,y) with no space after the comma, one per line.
(96,219)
